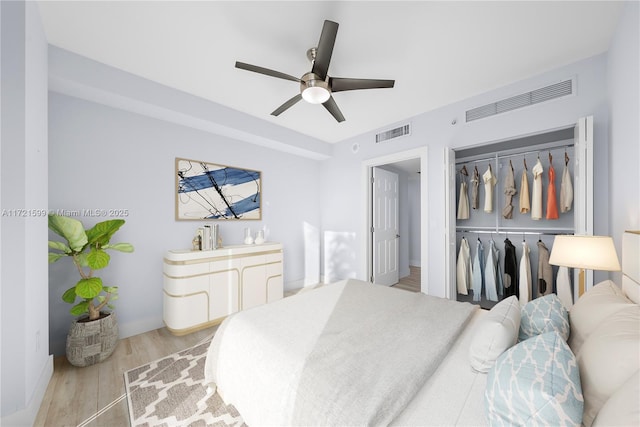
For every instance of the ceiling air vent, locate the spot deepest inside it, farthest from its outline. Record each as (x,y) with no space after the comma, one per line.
(546,93)
(393,133)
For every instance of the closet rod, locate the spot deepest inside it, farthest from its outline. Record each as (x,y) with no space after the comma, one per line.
(528,233)
(506,156)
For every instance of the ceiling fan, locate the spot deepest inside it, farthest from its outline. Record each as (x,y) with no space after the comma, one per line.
(316,86)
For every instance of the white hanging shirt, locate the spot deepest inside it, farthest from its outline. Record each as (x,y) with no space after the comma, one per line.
(536,198)
(566,190)
(463,203)
(463,268)
(490,181)
(525,276)
(563,286)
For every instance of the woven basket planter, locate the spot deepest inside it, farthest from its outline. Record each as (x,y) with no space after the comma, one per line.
(92,342)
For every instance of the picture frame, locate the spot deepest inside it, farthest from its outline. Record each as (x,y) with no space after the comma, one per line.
(211,191)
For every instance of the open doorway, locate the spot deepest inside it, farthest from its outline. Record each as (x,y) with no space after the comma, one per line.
(412,234)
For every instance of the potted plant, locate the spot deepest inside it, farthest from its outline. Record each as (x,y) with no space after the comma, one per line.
(94,333)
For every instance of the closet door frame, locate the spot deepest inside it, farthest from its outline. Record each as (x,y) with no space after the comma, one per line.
(583,199)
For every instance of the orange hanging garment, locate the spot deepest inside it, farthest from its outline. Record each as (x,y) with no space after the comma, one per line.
(552,204)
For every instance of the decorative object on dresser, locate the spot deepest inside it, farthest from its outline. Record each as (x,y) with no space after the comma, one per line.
(201,288)
(92,336)
(211,191)
(585,253)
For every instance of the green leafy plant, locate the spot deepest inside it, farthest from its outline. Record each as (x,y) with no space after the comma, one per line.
(88,250)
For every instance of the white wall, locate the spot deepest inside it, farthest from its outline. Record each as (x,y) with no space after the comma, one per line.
(623,79)
(26,365)
(434,129)
(107,158)
(414,221)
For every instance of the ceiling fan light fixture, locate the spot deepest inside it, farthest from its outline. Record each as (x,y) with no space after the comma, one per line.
(314,90)
(315,95)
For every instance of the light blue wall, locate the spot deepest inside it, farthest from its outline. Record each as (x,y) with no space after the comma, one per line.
(25,366)
(623,79)
(106,158)
(342,179)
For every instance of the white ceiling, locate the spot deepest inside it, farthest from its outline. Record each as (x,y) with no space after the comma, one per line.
(438,52)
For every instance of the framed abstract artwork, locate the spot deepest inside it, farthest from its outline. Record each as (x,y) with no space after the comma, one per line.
(211,191)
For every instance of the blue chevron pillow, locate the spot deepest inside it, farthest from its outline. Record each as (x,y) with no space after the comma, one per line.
(544,314)
(535,382)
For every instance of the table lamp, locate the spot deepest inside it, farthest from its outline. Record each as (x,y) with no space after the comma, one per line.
(585,253)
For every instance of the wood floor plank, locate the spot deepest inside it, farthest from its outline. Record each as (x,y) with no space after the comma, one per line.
(75,395)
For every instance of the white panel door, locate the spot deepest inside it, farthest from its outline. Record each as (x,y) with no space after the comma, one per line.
(385,227)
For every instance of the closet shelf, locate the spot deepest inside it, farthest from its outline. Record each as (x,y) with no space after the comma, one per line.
(515,230)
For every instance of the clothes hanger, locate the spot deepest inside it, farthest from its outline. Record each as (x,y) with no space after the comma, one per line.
(463,171)
(550,158)
(566,157)
(524,160)
(510,164)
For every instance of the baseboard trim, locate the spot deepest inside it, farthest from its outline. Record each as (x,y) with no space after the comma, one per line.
(130,329)
(27,416)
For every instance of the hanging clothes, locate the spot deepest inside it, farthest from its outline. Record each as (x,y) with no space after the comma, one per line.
(552,204)
(463,268)
(525,206)
(463,203)
(563,285)
(492,273)
(510,277)
(475,181)
(477,275)
(509,192)
(545,271)
(566,190)
(524,284)
(490,181)
(536,199)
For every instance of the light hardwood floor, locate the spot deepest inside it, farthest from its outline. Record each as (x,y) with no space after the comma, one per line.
(94,396)
(410,282)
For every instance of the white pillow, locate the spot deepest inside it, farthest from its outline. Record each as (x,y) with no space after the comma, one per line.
(608,358)
(622,407)
(497,332)
(592,309)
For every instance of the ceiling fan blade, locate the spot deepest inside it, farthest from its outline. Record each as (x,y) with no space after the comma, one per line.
(338,84)
(332,107)
(286,105)
(266,71)
(325,49)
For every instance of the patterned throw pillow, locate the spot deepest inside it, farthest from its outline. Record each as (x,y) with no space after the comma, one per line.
(535,382)
(544,314)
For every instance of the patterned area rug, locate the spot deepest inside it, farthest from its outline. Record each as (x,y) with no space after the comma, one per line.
(171,392)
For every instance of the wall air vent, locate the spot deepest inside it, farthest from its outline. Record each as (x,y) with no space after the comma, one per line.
(393,133)
(537,96)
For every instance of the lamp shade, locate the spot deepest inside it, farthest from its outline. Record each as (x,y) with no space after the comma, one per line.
(588,252)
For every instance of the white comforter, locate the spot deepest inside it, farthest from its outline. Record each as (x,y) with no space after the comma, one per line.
(350,353)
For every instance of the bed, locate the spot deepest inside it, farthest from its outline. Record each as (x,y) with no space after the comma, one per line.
(352,353)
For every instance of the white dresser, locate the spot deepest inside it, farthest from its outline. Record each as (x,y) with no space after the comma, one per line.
(201,288)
